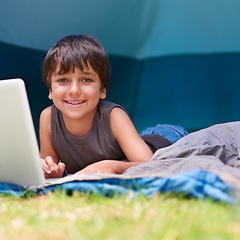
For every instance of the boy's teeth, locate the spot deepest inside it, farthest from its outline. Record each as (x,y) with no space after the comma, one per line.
(74,103)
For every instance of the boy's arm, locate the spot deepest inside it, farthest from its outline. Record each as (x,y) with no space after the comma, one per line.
(133,146)
(108,166)
(49,158)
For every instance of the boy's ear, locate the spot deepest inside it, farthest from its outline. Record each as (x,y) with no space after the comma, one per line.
(103,93)
(50,94)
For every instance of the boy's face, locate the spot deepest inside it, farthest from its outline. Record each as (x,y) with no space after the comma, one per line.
(76,94)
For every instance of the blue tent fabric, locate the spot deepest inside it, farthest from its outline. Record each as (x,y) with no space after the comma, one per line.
(11,189)
(173,62)
(197,183)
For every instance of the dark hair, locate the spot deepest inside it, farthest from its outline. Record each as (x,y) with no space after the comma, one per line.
(77,51)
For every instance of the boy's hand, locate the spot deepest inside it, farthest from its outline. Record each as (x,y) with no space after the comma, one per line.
(105,166)
(52,169)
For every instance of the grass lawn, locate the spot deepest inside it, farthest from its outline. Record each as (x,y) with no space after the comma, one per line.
(80,216)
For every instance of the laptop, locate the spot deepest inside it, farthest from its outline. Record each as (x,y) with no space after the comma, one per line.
(19,153)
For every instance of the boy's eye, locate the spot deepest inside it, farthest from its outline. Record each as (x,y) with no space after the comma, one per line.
(62,80)
(87,80)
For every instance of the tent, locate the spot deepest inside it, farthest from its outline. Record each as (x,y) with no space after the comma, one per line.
(174,62)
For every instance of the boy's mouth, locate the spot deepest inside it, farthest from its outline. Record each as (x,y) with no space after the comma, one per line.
(74,102)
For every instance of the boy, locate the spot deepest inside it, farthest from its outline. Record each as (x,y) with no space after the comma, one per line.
(82,132)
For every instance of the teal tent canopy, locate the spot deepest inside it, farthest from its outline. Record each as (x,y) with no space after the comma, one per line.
(174,62)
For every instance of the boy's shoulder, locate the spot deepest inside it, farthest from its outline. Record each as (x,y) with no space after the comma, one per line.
(106,106)
(46,112)
(45,119)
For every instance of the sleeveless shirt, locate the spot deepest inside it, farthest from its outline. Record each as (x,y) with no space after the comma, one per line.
(79,152)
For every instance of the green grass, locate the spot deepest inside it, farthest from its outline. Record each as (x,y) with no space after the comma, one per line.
(80,216)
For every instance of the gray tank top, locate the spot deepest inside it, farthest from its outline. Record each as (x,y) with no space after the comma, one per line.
(98,145)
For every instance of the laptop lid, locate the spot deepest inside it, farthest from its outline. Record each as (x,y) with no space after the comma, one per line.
(19,153)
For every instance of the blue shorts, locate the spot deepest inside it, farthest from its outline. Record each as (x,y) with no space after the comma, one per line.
(171,132)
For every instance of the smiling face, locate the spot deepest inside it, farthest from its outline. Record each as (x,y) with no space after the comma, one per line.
(76,93)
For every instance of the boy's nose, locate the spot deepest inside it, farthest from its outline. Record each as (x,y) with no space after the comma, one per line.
(75,88)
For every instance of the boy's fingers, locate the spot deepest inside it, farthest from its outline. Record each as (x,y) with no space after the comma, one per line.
(51,164)
(51,169)
(61,167)
(45,166)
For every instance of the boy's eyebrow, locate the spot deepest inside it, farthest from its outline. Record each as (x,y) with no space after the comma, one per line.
(56,74)
(88,73)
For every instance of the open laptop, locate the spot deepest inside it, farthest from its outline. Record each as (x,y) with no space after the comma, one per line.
(19,153)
